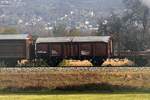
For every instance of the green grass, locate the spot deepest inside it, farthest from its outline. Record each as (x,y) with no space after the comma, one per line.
(126,96)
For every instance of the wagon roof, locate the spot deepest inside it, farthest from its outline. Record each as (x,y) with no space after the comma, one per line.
(92,39)
(14,37)
(74,39)
(52,39)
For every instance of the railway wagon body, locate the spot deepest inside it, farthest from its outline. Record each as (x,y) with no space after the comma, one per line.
(14,47)
(54,49)
(94,48)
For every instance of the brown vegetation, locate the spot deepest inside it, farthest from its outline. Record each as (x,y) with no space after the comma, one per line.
(76,63)
(118,62)
(54,79)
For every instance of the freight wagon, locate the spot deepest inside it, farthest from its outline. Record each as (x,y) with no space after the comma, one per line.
(15,47)
(93,48)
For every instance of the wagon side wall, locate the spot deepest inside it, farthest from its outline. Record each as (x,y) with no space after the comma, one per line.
(91,49)
(13,49)
(100,49)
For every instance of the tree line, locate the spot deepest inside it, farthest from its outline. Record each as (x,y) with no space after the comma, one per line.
(130,30)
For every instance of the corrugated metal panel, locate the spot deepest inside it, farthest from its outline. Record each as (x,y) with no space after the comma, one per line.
(100,49)
(74,39)
(14,37)
(12,49)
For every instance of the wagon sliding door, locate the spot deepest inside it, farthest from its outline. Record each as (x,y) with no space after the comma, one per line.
(42,50)
(70,50)
(55,49)
(74,50)
(66,50)
(100,49)
(85,49)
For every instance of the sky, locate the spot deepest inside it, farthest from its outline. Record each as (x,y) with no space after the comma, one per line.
(146,2)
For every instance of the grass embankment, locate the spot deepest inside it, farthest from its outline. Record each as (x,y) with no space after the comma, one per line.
(64,84)
(99,79)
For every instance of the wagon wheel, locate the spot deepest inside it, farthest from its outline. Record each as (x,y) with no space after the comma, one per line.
(54,62)
(98,61)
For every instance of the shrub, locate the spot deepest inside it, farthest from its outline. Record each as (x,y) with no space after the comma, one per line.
(139,60)
(75,63)
(87,87)
(35,63)
(118,62)
(3,63)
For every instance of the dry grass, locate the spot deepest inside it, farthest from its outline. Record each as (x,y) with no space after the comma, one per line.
(118,62)
(53,79)
(48,80)
(76,63)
